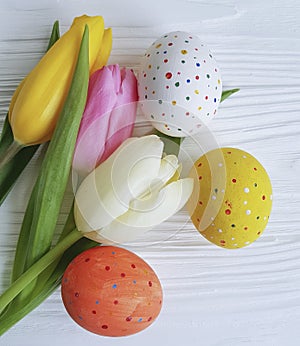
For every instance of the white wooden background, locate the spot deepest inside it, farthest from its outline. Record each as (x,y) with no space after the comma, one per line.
(212,296)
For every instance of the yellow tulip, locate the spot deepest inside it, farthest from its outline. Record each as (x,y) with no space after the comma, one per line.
(39,99)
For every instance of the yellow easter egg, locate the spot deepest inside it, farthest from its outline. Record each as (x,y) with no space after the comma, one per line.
(232,199)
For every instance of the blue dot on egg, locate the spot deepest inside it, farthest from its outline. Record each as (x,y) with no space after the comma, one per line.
(198,64)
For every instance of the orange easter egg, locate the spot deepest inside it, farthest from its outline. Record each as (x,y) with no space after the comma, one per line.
(111,291)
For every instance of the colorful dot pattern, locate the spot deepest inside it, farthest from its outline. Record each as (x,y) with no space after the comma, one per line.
(233,209)
(111,291)
(178,74)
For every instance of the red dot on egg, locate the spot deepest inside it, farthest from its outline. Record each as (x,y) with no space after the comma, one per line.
(133,266)
(168,75)
(150,283)
(128,319)
(255,168)
(199,164)
(107,268)
(263,197)
(227,211)
(104,326)
(123,275)
(233,180)
(116,302)
(94,312)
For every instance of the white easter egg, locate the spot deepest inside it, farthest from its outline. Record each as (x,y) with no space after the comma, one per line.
(179,84)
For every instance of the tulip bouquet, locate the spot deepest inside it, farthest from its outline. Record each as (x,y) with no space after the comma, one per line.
(123,186)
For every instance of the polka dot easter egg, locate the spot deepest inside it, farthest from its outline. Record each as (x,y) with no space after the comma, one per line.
(232,201)
(111,291)
(179,84)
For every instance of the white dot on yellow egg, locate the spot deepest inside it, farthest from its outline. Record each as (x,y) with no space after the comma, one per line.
(219,230)
(245,202)
(248,212)
(246,190)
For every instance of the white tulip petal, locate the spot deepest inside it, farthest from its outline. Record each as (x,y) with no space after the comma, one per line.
(169,165)
(105,193)
(147,213)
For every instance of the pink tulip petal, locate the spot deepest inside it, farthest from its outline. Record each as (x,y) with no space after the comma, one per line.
(101,99)
(123,116)
(108,118)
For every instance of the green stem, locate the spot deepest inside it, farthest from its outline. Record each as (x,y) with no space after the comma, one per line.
(7,320)
(17,286)
(9,153)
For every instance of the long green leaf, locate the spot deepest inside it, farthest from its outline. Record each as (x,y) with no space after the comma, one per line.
(13,169)
(55,170)
(50,186)
(227,93)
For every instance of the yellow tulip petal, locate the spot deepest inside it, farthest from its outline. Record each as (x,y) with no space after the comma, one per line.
(39,102)
(104,52)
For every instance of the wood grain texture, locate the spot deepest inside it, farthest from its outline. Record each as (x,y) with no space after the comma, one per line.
(249,296)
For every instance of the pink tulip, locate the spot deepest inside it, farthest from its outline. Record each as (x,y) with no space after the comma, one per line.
(108,118)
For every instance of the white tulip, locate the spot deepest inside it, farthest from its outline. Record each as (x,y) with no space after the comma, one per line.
(130,193)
